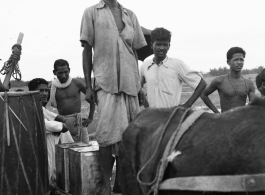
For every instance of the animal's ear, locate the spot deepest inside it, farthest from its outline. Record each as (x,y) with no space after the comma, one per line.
(257,101)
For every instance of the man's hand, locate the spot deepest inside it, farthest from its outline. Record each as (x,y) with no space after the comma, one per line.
(65,128)
(91,96)
(57,134)
(142,100)
(60,118)
(86,122)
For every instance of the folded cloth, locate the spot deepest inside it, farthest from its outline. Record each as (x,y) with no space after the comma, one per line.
(56,84)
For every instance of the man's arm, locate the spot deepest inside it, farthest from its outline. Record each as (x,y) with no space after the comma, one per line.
(54,126)
(251,92)
(209,90)
(87,69)
(199,89)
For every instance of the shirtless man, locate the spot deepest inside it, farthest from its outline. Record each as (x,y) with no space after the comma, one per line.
(233,88)
(260,82)
(65,96)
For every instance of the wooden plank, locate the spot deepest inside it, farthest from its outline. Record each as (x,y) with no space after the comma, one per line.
(227,183)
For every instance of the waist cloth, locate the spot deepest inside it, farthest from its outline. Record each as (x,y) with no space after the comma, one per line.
(78,132)
(115,111)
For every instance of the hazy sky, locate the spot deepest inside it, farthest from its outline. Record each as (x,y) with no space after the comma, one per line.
(202,31)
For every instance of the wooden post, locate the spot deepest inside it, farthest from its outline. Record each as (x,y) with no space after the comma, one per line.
(8,75)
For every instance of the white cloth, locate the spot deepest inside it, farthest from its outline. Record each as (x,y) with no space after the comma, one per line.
(53,126)
(56,84)
(164,81)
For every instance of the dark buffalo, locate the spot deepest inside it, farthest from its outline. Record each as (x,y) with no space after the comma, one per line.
(230,143)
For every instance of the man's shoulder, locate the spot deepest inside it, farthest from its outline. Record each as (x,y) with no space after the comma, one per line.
(175,62)
(91,8)
(249,82)
(130,12)
(146,64)
(77,82)
(219,79)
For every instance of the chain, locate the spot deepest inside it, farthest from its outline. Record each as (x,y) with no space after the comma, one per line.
(234,86)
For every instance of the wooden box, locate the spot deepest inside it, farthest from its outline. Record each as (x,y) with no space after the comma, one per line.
(62,164)
(85,175)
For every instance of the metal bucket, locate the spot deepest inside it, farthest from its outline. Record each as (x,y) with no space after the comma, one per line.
(85,174)
(62,164)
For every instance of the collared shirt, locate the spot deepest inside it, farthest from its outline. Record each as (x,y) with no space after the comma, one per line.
(114,63)
(164,81)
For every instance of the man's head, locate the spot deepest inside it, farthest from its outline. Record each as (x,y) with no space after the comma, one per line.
(160,42)
(260,82)
(41,85)
(61,70)
(235,58)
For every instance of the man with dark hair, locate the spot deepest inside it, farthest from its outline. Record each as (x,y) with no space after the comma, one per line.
(65,96)
(54,124)
(233,88)
(164,76)
(114,33)
(260,82)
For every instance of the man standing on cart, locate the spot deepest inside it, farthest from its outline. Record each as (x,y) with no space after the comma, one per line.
(114,33)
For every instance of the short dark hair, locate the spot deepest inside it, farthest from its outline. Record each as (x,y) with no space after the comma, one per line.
(234,50)
(60,63)
(160,34)
(34,83)
(260,78)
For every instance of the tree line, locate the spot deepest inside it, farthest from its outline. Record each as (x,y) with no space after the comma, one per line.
(224,70)
(212,72)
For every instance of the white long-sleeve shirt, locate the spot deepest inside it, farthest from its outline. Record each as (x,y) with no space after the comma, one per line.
(53,126)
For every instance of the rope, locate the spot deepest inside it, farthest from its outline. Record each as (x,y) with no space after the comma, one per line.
(13,61)
(173,142)
(159,142)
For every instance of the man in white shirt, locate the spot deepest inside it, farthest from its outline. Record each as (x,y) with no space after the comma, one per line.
(164,76)
(54,125)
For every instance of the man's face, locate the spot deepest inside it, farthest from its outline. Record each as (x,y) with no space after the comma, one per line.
(44,92)
(62,73)
(237,62)
(160,48)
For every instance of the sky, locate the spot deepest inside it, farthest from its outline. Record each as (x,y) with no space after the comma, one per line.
(202,31)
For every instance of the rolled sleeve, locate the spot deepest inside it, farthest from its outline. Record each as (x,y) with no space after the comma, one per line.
(53,126)
(189,76)
(141,73)
(87,27)
(139,40)
(48,114)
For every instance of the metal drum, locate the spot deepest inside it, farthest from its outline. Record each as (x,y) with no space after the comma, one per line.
(85,174)
(23,150)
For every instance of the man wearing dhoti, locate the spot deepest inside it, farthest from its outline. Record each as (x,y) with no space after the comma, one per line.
(114,33)
(65,96)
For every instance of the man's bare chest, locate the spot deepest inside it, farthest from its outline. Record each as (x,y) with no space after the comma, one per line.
(233,88)
(70,92)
